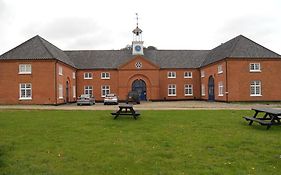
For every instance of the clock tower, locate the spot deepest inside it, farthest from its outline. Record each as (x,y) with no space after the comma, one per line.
(137,43)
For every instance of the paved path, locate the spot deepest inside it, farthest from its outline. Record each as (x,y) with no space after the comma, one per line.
(172,105)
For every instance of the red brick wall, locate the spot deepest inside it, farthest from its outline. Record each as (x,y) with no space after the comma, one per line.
(66,76)
(42,80)
(239,79)
(180,81)
(97,82)
(212,70)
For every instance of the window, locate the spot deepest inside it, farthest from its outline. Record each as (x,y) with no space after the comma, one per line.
(105,75)
(187,74)
(88,90)
(220,69)
(203,90)
(88,75)
(25,91)
(60,70)
(172,74)
(105,89)
(255,67)
(73,75)
(74,91)
(255,88)
(202,73)
(172,90)
(25,69)
(220,88)
(60,91)
(188,90)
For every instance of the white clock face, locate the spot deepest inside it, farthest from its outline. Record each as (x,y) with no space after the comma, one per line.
(138,65)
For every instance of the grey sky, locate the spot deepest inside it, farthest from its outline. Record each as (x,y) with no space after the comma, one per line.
(166,24)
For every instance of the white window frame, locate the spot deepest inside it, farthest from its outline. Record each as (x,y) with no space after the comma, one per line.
(188,88)
(220,70)
(105,75)
(73,75)
(220,88)
(88,75)
(88,90)
(60,91)
(172,74)
(25,69)
(202,74)
(256,88)
(60,70)
(203,90)
(25,89)
(74,91)
(105,89)
(255,67)
(188,74)
(172,90)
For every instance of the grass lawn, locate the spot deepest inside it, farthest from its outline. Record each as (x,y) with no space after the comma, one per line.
(159,142)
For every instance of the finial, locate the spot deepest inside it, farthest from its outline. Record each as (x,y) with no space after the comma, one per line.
(137,17)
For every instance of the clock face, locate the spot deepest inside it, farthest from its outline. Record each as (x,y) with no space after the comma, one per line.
(138,65)
(138,48)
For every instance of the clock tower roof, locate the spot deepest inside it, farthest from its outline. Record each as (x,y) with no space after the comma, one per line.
(137,31)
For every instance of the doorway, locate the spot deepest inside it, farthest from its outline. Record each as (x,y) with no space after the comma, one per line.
(211,89)
(140,87)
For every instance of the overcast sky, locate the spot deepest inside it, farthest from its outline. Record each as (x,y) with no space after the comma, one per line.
(166,24)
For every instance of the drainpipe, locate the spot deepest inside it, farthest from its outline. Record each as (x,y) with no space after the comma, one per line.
(226,81)
(55,76)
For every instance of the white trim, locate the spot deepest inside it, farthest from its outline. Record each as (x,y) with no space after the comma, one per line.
(255,66)
(256,85)
(60,70)
(202,72)
(25,89)
(60,91)
(25,69)
(105,75)
(88,77)
(256,95)
(220,70)
(187,73)
(185,88)
(73,75)
(220,89)
(105,88)
(74,91)
(172,74)
(89,89)
(172,88)
(203,90)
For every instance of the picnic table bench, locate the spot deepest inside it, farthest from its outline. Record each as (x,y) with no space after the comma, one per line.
(126,109)
(270,117)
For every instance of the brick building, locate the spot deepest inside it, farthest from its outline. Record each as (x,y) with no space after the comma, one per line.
(37,72)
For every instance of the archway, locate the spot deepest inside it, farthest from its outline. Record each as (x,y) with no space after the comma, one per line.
(211,89)
(140,87)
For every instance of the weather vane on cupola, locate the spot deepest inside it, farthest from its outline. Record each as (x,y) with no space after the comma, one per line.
(137,39)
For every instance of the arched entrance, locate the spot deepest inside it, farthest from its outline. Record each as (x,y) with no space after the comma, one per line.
(67,91)
(140,87)
(211,89)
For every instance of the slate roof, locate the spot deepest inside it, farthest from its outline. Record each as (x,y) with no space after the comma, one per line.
(37,48)
(112,59)
(239,47)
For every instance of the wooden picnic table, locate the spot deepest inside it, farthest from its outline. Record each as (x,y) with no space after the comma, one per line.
(270,117)
(126,109)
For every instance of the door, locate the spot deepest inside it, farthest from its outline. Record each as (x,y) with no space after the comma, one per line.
(140,87)
(211,89)
(67,91)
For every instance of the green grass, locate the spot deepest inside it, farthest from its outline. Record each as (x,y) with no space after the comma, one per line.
(159,142)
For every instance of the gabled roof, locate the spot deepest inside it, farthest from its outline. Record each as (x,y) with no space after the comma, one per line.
(112,59)
(37,48)
(239,47)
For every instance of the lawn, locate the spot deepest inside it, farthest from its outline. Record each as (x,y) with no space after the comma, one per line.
(159,142)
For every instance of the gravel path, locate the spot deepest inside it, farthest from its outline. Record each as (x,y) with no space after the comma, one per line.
(174,105)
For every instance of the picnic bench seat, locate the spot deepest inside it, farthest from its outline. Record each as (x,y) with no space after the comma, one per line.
(259,120)
(126,109)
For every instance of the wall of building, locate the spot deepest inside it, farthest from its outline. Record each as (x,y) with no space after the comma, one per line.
(212,70)
(239,79)
(67,76)
(96,82)
(180,82)
(41,78)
